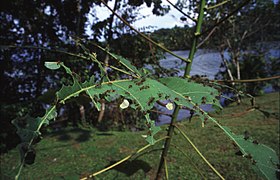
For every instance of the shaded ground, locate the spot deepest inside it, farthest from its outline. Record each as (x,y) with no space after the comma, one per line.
(74,153)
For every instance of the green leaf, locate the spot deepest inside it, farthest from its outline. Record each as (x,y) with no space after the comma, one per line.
(141,93)
(127,64)
(198,93)
(52,65)
(263,158)
(28,127)
(150,139)
(66,91)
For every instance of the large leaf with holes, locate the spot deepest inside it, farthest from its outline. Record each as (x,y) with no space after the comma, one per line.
(263,158)
(198,93)
(142,93)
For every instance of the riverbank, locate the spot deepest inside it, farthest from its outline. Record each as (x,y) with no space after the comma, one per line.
(72,153)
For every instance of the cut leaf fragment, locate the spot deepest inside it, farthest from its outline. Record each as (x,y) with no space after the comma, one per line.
(124,104)
(52,65)
(169,106)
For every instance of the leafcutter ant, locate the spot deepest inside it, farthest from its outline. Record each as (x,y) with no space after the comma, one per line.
(191,113)
(151,100)
(205,120)
(255,142)
(142,88)
(246,135)
(140,82)
(203,100)
(249,156)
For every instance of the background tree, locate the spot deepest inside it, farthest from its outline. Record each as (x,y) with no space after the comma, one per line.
(38,31)
(246,31)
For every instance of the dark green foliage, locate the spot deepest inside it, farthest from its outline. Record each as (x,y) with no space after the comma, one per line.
(50,25)
(177,38)
(28,128)
(254,66)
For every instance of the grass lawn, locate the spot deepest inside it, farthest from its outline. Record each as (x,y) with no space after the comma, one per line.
(74,153)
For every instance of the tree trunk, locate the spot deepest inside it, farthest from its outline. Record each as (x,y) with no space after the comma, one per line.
(238,69)
(107,58)
(102,110)
(226,65)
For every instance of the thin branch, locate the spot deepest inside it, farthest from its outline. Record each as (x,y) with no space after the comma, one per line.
(199,153)
(43,48)
(68,53)
(225,18)
(235,114)
(166,170)
(217,5)
(193,19)
(247,80)
(196,168)
(160,112)
(227,66)
(144,36)
(208,36)
(262,27)
(123,160)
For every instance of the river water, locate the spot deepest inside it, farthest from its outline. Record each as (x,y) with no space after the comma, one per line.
(206,62)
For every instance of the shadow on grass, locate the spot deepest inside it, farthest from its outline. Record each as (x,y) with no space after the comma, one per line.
(56,147)
(131,167)
(104,134)
(77,134)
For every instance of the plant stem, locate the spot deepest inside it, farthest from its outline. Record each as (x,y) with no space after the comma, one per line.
(199,153)
(195,39)
(167,142)
(190,161)
(186,74)
(123,160)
